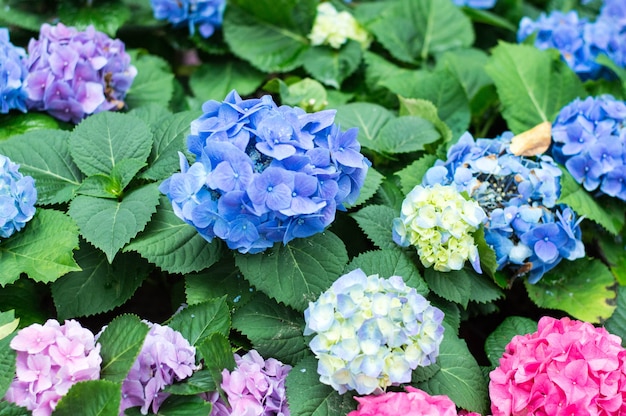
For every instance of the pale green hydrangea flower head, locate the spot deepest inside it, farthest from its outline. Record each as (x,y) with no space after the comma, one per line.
(334,28)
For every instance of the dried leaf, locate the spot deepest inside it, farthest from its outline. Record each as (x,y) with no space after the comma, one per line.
(532,142)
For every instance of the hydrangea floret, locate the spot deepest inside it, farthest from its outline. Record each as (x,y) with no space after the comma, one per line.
(17,198)
(12,75)
(50,358)
(525,226)
(334,28)
(165,357)
(589,137)
(265,174)
(411,402)
(439,222)
(206,15)
(72,73)
(255,387)
(372,332)
(565,367)
(476,4)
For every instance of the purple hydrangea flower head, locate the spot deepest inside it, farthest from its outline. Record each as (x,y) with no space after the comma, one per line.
(205,15)
(256,387)
(72,73)
(525,226)
(371,332)
(17,198)
(476,4)
(50,359)
(12,75)
(590,140)
(165,357)
(265,173)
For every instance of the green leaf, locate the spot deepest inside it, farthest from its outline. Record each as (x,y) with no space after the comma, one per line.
(27,298)
(376,221)
(90,398)
(199,382)
(45,155)
(497,341)
(468,65)
(372,182)
(106,16)
(427,110)
(197,322)
(269,43)
(217,355)
(10,409)
(307,94)
(368,117)
(307,396)
(533,84)
(298,272)
(583,203)
(110,224)
(184,406)
(154,83)
(609,63)
(582,288)
(616,324)
(100,186)
(101,141)
(406,134)
(274,329)
(332,66)
(484,290)
(43,249)
(412,30)
(454,285)
(8,323)
(121,343)
(614,255)
(26,19)
(172,244)
(459,377)
(488,260)
(14,124)
(221,279)
(7,365)
(152,114)
(387,263)
(412,175)
(215,80)
(99,286)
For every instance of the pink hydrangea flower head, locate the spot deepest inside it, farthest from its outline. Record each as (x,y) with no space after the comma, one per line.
(165,357)
(50,358)
(566,367)
(411,402)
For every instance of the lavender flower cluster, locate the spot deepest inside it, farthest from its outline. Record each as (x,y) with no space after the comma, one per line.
(580,41)
(475,4)
(371,332)
(72,74)
(17,198)
(205,14)
(50,359)
(527,229)
(12,75)
(264,174)
(589,138)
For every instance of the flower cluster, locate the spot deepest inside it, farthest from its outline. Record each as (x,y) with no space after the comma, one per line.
(50,359)
(372,332)
(566,367)
(17,198)
(265,174)
(336,28)
(206,15)
(165,357)
(12,75)
(525,226)
(590,140)
(256,387)
(439,222)
(411,402)
(72,73)
(476,4)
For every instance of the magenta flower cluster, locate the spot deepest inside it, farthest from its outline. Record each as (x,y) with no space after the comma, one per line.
(12,75)
(165,357)
(565,367)
(72,73)
(50,359)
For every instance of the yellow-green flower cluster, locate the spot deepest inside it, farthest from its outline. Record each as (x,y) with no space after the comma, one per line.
(439,222)
(334,28)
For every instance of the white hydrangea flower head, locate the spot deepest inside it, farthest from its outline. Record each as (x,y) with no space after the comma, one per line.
(334,28)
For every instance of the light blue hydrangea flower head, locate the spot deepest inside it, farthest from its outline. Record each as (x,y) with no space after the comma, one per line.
(12,75)
(590,140)
(371,332)
(476,4)
(72,73)
(17,198)
(265,174)
(205,15)
(528,230)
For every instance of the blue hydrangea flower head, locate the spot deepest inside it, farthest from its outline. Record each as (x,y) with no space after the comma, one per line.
(265,173)
(476,4)
(372,332)
(528,230)
(12,75)
(589,138)
(205,15)
(17,198)
(72,73)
